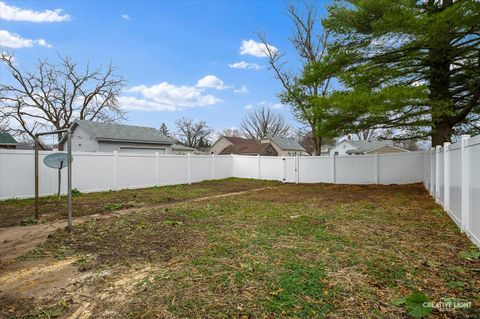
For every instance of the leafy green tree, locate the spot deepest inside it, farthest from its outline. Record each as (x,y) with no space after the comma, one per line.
(409,65)
(307,90)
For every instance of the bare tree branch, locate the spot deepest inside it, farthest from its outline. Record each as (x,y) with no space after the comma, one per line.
(262,123)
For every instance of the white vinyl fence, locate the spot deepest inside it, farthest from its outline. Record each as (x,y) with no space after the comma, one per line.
(112,171)
(452,175)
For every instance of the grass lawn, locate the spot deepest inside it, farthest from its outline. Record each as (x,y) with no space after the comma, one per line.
(301,251)
(17,211)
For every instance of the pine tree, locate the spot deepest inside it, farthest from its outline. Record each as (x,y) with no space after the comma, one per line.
(164,129)
(409,65)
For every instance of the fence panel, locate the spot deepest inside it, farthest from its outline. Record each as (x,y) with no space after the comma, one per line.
(245,166)
(401,168)
(200,168)
(271,168)
(473,152)
(440,178)
(172,169)
(223,166)
(91,172)
(455,181)
(355,169)
(315,169)
(135,171)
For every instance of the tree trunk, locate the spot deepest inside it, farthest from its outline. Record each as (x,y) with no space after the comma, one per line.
(441,132)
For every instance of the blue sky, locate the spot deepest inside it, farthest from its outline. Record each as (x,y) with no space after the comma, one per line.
(163,49)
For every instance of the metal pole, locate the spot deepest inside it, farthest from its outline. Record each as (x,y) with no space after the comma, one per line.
(69,194)
(36,178)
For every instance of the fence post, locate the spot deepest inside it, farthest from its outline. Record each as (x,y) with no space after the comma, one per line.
(156,169)
(296,168)
(189,157)
(283,170)
(465,169)
(437,173)
(432,161)
(376,169)
(213,166)
(332,167)
(258,165)
(446,176)
(115,160)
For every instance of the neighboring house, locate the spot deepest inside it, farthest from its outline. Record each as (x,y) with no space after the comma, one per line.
(362,147)
(90,136)
(7,141)
(179,149)
(237,145)
(31,146)
(285,146)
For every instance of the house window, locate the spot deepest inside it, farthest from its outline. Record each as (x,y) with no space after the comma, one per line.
(336,153)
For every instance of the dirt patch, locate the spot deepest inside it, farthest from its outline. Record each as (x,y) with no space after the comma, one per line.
(15,241)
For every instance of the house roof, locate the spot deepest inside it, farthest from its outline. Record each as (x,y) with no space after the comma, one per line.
(287,143)
(240,140)
(367,145)
(112,132)
(6,138)
(180,147)
(254,148)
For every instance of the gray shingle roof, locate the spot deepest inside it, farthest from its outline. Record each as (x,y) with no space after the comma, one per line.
(6,138)
(367,145)
(287,144)
(124,133)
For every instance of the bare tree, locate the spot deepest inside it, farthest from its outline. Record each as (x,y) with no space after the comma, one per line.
(300,94)
(264,122)
(192,133)
(229,132)
(368,134)
(56,94)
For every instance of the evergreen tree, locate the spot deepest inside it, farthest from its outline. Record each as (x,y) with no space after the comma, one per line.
(409,65)
(164,129)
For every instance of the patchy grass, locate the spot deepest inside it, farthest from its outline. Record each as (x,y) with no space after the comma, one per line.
(21,211)
(302,251)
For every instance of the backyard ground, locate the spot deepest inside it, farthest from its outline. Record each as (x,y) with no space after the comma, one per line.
(304,251)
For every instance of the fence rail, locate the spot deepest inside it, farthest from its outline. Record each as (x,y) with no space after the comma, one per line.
(451,173)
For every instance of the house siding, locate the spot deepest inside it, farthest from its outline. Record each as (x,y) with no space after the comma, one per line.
(143,148)
(342,148)
(82,141)
(219,146)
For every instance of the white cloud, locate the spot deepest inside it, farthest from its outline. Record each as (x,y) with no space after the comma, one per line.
(252,47)
(166,97)
(270,105)
(15,41)
(245,65)
(125,17)
(212,82)
(11,13)
(248,107)
(242,90)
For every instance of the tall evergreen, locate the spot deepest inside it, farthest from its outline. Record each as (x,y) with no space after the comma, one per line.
(409,65)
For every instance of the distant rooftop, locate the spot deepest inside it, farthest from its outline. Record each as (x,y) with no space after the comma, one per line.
(7,139)
(287,143)
(368,145)
(123,133)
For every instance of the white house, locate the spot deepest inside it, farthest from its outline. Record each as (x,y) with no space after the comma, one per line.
(362,147)
(88,136)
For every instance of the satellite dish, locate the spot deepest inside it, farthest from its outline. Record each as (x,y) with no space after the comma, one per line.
(57,160)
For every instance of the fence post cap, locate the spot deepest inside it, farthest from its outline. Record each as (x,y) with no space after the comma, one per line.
(445,144)
(438,147)
(465,136)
